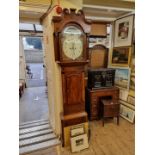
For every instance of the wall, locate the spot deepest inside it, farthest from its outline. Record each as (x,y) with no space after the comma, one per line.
(37,2)
(32,56)
(126,96)
(53,69)
(22,66)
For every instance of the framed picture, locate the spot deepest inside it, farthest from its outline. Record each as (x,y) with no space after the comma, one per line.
(120,56)
(127,113)
(131,100)
(132,93)
(123,31)
(123,94)
(132,81)
(133,66)
(77,130)
(131,106)
(97,41)
(79,143)
(122,77)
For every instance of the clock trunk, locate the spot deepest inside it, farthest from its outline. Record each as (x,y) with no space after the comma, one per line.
(73,89)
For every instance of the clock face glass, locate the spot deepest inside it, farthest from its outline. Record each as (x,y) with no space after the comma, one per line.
(72,43)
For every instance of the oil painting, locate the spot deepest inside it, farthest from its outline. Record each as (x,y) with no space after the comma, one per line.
(122,77)
(120,56)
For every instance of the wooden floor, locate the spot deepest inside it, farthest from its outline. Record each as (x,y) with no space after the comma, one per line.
(108,140)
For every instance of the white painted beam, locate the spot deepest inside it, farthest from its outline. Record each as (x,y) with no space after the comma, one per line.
(100,18)
(107,8)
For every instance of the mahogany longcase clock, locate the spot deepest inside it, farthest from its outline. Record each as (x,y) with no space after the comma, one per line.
(71,32)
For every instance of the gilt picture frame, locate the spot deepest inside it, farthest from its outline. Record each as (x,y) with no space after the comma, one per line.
(120,56)
(123,31)
(132,81)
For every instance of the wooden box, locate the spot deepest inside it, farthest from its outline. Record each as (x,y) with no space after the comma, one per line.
(98,29)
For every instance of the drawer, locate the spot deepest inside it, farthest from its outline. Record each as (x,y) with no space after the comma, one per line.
(94,106)
(93,99)
(94,111)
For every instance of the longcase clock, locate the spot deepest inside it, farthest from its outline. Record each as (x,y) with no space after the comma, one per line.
(71,31)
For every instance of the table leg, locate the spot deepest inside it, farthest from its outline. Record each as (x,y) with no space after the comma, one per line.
(103,120)
(117,120)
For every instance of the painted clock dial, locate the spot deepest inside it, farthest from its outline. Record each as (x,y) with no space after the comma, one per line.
(72,43)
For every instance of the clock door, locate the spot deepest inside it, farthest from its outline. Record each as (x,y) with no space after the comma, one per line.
(73,92)
(71,41)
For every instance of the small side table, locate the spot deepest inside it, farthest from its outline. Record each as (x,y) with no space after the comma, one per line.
(110,109)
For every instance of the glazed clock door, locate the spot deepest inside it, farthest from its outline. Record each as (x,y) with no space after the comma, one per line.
(73,92)
(72,44)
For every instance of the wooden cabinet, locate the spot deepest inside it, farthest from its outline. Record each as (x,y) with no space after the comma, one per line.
(93,98)
(98,29)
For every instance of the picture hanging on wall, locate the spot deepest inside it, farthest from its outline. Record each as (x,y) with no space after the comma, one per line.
(120,56)
(122,77)
(97,41)
(123,31)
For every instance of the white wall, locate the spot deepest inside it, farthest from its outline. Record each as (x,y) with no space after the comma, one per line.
(22,65)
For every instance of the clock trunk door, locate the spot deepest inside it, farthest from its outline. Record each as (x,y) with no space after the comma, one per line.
(73,92)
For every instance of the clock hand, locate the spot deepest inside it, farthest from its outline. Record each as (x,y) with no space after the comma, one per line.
(74,48)
(72,45)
